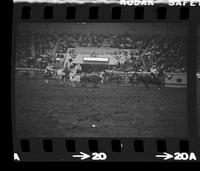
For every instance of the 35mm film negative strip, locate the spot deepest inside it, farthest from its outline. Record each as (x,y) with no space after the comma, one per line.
(105,82)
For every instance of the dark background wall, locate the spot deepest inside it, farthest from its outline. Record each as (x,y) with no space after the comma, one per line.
(117,28)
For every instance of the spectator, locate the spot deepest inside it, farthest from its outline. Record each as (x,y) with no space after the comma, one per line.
(147,50)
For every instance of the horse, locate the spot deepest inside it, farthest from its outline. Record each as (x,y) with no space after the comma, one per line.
(63,75)
(47,75)
(116,78)
(73,75)
(95,79)
(110,77)
(105,78)
(133,79)
(146,79)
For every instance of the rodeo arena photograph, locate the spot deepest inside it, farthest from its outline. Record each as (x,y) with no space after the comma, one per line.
(101,80)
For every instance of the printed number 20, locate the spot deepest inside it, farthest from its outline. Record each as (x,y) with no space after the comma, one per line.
(99,156)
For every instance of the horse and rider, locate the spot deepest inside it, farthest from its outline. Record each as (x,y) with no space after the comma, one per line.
(48,72)
(153,71)
(69,72)
(156,76)
(66,70)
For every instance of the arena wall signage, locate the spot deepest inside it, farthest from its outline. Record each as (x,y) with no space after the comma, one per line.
(111,55)
(177,80)
(131,93)
(95,59)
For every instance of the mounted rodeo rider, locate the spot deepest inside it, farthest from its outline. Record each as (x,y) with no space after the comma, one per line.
(161,73)
(48,69)
(102,76)
(153,71)
(48,72)
(68,67)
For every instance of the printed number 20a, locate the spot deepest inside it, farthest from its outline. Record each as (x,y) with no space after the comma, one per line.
(99,156)
(184,156)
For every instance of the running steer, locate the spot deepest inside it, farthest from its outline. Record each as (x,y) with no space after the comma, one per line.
(147,79)
(94,79)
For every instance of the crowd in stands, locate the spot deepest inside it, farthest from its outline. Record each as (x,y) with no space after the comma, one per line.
(147,50)
(23,51)
(80,40)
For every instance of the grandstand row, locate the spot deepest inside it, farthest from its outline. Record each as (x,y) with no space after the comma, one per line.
(35,48)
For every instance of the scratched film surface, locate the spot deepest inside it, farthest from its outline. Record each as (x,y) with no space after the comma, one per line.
(125,80)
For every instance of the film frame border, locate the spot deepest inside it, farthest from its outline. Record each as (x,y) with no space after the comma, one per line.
(123,149)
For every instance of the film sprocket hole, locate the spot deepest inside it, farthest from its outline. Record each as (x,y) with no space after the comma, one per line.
(105,82)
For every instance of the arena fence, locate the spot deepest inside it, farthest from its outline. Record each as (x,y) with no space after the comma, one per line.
(29,72)
(177,80)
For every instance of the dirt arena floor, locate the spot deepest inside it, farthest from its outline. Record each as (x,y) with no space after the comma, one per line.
(50,110)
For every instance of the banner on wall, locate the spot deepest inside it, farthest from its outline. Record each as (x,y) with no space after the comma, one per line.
(178,80)
(111,56)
